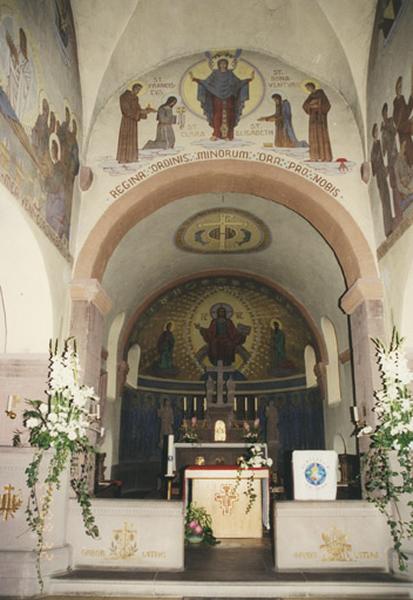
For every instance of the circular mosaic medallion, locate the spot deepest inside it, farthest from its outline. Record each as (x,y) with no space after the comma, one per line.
(223,230)
(315,474)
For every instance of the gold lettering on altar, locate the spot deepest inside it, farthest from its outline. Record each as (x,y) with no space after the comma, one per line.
(124,542)
(227,498)
(9,502)
(335,546)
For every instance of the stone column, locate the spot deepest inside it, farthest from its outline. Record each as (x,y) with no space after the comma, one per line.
(363,303)
(90,305)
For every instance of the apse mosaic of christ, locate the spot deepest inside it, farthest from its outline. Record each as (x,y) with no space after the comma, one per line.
(246,325)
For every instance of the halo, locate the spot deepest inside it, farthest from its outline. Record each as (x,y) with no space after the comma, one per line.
(214,309)
(42,96)
(54,137)
(131,83)
(280,325)
(304,83)
(172,325)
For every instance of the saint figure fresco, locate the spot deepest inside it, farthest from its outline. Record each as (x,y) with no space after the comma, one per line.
(222,96)
(132,113)
(401,117)
(20,73)
(379,171)
(165,136)
(164,366)
(282,119)
(317,106)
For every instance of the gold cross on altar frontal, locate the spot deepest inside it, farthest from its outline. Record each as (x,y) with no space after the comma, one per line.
(9,502)
(227,498)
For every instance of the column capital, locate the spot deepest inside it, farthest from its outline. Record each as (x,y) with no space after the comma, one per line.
(361,291)
(90,290)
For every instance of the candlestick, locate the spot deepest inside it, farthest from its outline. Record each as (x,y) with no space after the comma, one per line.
(170,456)
(354,414)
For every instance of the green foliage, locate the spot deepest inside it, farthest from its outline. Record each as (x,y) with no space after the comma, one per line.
(198,522)
(387,487)
(58,431)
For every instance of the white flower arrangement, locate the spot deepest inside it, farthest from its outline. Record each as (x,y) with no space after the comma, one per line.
(393,432)
(254,460)
(59,426)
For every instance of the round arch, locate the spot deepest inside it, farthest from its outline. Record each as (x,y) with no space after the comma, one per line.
(272,183)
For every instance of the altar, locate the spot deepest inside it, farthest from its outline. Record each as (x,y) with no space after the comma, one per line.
(222,491)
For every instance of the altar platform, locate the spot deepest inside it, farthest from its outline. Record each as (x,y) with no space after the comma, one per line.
(234,569)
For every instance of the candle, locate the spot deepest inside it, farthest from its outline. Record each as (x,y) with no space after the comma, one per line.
(205,404)
(170,456)
(10,403)
(246,404)
(195,403)
(102,431)
(256,404)
(97,411)
(185,406)
(235,404)
(354,414)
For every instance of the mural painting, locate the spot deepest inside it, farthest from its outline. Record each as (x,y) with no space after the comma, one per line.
(39,151)
(222,230)
(222,102)
(391,157)
(236,320)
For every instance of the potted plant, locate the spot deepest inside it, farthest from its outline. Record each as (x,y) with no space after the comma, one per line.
(198,526)
(388,464)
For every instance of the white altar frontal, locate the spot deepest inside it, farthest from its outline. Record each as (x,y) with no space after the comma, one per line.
(221,490)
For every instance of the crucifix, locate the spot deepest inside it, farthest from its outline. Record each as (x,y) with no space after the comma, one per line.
(219,370)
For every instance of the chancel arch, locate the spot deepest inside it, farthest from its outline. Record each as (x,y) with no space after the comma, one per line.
(276,185)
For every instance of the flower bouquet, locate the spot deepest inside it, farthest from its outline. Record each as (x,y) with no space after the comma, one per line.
(198,526)
(189,431)
(58,429)
(251,432)
(255,459)
(392,436)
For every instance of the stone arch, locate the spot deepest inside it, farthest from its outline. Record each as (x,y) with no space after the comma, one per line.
(363,301)
(272,183)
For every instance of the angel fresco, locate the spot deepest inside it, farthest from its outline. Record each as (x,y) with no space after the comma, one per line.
(222,96)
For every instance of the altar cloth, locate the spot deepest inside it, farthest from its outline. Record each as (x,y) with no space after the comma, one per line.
(221,490)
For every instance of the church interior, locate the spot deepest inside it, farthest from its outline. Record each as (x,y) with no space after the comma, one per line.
(212,203)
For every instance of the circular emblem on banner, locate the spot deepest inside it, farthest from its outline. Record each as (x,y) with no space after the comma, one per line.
(315,474)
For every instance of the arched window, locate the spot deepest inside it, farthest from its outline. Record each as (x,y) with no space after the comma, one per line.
(310,363)
(134,356)
(332,368)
